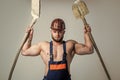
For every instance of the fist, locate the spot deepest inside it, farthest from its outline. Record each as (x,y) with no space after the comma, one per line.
(87,28)
(29,29)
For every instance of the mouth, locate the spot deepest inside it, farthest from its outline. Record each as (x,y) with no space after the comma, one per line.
(57,38)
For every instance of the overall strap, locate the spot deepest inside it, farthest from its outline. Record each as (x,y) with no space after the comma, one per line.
(64,48)
(51,51)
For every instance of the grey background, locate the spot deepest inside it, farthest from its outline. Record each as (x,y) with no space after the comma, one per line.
(104,19)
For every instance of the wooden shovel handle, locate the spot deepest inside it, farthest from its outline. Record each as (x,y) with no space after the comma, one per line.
(19,50)
(97,50)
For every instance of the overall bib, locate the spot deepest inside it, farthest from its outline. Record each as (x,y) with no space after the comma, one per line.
(58,70)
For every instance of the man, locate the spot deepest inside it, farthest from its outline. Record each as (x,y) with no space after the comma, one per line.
(57,55)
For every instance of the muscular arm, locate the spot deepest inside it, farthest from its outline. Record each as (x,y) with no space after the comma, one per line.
(87,47)
(28,49)
(33,50)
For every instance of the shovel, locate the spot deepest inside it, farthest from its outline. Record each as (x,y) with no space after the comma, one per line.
(80,9)
(35,12)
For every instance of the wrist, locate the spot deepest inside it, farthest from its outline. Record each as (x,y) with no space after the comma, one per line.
(87,32)
(29,41)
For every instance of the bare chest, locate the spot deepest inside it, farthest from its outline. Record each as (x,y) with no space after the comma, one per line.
(57,53)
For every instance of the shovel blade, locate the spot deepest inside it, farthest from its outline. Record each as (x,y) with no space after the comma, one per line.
(79,9)
(35,8)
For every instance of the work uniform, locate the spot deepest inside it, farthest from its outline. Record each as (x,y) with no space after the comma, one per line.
(58,70)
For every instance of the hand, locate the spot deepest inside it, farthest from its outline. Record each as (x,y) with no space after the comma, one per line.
(87,28)
(30,31)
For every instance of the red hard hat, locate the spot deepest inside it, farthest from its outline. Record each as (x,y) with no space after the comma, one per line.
(58,24)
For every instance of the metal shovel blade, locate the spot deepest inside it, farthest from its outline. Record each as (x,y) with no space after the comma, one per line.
(35,8)
(79,9)
(35,11)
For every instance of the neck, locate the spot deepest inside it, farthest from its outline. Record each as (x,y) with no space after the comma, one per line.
(57,43)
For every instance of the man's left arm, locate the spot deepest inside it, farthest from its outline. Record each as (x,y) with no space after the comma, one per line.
(87,47)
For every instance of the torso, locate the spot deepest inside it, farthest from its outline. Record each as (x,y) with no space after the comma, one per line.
(57,53)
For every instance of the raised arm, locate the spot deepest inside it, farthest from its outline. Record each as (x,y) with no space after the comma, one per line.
(28,49)
(87,47)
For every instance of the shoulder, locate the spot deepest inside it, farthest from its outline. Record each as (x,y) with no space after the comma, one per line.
(43,44)
(71,42)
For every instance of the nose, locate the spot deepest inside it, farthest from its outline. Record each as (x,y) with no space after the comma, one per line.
(57,34)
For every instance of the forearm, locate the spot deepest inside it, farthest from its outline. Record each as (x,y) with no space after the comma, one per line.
(27,44)
(88,41)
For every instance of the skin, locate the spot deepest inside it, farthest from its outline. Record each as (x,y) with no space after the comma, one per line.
(72,47)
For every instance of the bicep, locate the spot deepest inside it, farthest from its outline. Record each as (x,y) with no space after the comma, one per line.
(81,49)
(34,50)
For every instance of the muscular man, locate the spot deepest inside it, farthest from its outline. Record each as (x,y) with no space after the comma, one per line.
(57,54)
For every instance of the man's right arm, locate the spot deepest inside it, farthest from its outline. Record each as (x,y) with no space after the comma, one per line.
(28,49)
